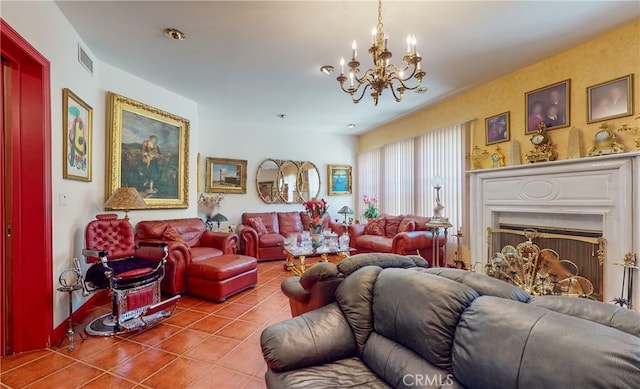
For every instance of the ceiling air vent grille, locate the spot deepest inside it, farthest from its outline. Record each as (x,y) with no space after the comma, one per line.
(85,60)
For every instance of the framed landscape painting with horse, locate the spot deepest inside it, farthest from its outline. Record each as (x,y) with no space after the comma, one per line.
(148,149)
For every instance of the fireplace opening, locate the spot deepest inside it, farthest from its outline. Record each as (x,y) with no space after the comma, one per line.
(548,260)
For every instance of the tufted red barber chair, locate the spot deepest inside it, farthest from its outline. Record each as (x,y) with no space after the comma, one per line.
(131,273)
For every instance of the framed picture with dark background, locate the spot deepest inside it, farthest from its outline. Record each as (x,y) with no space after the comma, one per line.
(610,100)
(497,128)
(550,105)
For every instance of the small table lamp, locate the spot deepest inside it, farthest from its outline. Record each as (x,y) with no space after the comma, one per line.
(345,211)
(218,217)
(125,198)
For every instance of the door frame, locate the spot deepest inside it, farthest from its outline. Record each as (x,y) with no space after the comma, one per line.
(30,135)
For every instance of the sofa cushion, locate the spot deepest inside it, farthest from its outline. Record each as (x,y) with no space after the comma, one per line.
(189,230)
(344,373)
(485,286)
(384,245)
(271,240)
(407,225)
(151,229)
(351,264)
(222,268)
(375,226)
(367,241)
(199,254)
(392,225)
(258,225)
(171,234)
(289,223)
(269,219)
(429,330)
(421,222)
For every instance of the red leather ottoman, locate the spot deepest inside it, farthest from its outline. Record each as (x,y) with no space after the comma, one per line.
(220,277)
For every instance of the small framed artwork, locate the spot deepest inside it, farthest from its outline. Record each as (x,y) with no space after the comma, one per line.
(339,180)
(497,128)
(610,100)
(550,105)
(147,149)
(77,124)
(225,175)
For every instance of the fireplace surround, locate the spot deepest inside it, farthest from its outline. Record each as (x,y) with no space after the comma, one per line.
(597,194)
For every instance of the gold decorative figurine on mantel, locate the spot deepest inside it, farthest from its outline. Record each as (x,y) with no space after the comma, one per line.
(605,142)
(542,146)
(477,156)
(635,131)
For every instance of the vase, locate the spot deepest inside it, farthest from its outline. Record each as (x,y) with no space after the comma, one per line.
(316,236)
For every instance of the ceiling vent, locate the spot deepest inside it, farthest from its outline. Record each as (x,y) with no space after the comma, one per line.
(84,59)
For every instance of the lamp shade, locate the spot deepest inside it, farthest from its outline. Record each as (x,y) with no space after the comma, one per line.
(218,217)
(345,211)
(125,199)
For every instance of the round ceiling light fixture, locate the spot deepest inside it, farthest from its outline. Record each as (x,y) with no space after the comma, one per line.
(424,89)
(282,115)
(327,69)
(174,34)
(351,125)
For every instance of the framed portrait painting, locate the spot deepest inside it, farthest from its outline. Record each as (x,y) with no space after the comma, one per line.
(225,175)
(497,128)
(610,100)
(550,105)
(147,149)
(77,125)
(339,180)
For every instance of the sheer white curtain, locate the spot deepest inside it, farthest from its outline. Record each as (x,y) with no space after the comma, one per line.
(369,177)
(398,178)
(441,153)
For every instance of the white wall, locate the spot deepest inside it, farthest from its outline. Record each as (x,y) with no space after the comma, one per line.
(227,140)
(46,28)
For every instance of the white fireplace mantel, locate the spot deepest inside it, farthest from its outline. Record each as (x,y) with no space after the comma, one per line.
(601,193)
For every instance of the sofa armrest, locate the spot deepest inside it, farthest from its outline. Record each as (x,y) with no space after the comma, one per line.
(410,242)
(291,288)
(313,338)
(225,241)
(249,240)
(319,272)
(355,230)
(338,227)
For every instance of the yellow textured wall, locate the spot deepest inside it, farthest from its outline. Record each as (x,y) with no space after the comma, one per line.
(610,56)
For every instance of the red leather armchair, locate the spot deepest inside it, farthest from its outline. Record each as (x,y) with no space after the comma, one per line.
(279,225)
(188,241)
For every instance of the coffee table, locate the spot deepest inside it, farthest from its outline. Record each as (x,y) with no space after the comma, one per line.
(321,254)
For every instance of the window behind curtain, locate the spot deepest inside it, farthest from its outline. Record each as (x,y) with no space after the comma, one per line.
(400,174)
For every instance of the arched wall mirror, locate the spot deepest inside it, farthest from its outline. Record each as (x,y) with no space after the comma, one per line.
(284,181)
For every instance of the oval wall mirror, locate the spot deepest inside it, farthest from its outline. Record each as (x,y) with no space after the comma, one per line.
(308,181)
(267,179)
(287,182)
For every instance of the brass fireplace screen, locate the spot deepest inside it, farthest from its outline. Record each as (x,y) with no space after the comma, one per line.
(571,264)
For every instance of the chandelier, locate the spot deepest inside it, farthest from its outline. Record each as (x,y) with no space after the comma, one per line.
(383,75)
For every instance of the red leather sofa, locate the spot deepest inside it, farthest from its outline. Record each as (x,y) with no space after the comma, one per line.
(404,235)
(269,244)
(189,241)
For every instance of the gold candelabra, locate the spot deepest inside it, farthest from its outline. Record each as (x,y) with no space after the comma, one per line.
(384,74)
(476,156)
(635,131)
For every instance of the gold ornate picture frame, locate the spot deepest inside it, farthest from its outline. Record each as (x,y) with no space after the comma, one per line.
(610,100)
(147,149)
(77,137)
(550,105)
(497,128)
(340,180)
(224,175)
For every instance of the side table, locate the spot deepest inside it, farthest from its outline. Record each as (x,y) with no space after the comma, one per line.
(71,332)
(436,224)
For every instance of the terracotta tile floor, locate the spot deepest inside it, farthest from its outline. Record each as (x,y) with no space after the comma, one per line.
(203,345)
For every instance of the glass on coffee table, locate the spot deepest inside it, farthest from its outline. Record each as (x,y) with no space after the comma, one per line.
(329,251)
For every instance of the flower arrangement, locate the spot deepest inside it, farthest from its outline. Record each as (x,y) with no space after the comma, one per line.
(316,209)
(207,203)
(371,203)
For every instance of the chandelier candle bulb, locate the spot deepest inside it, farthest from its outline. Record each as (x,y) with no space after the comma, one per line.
(409,44)
(354,46)
(342,65)
(373,36)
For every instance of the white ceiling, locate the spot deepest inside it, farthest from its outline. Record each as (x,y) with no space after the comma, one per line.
(246,62)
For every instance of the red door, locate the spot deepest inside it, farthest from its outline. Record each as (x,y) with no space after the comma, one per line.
(26,271)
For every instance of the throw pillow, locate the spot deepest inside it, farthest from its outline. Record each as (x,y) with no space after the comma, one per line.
(393,223)
(172,235)
(258,225)
(375,226)
(407,225)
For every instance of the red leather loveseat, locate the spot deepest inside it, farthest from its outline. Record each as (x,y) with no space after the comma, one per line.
(189,241)
(268,244)
(404,235)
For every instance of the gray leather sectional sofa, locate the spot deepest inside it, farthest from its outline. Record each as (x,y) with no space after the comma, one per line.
(410,328)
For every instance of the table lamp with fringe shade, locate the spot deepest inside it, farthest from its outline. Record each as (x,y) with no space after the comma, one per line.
(125,198)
